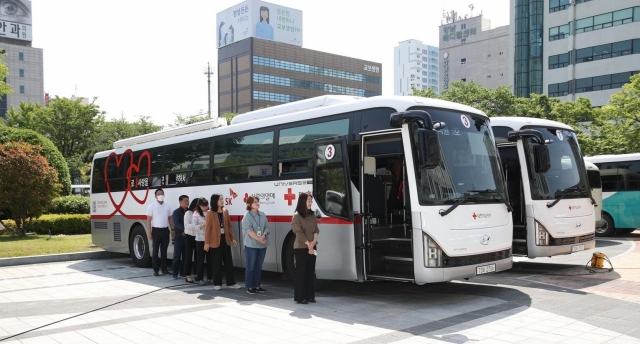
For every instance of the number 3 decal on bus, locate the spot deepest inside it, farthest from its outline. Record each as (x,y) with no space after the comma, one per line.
(465,121)
(329,152)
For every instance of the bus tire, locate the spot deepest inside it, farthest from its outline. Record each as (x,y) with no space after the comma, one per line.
(609,228)
(139,247)
(290,262)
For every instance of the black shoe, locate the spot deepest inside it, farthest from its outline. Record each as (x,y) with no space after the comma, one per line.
(303,302)
(155,273)
(260,289)
(252,291)
(165,272)
(312,300)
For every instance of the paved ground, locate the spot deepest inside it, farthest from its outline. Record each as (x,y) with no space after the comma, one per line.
(539,301)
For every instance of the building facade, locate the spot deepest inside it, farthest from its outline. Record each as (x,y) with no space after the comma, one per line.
(254,73)
(574,48)
(415,65)
(471,50)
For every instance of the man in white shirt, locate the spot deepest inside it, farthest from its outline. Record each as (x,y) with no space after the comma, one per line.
(160,227)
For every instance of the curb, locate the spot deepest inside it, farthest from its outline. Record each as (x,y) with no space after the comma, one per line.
(61,257)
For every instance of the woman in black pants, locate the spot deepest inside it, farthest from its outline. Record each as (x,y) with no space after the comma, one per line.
(190,240)
(305,227)
(218,239)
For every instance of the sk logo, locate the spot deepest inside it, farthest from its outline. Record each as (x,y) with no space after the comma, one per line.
(233,194)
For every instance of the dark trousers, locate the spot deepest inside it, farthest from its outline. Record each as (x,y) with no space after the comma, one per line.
(178,255)
(253,272)
(305,275)
(201,256)
(189,252)
(161,238)
(220,255)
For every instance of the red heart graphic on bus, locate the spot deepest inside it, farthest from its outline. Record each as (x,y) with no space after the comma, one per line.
(136,167)
(118,160)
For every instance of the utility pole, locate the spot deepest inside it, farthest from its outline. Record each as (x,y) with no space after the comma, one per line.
(209,73)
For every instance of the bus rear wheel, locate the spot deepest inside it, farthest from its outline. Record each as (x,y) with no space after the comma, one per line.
(609,229)
(290,261)
(139,247)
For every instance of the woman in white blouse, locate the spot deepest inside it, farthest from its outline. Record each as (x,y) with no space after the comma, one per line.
(199,225)
(190,241)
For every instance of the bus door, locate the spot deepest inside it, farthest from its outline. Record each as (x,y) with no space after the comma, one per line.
(385,203)
(332,194)
(512,167)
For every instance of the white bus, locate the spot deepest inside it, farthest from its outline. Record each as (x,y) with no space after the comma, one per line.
(620,192)
(595,183)
(406,188)
(547,186)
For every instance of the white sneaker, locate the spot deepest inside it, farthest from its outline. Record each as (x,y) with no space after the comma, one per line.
(217,287)
(234,286)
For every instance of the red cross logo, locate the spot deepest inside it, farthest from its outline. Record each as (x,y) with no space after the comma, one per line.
(289,196)
(569,207)
(474,216)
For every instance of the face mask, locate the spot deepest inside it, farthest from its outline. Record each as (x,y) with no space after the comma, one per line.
(161,198)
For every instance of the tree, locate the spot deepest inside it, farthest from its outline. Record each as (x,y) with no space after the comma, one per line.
(229,116)
(49,151)
(4,72)
(108,132)
(189,119)
(27,184)
(28,116)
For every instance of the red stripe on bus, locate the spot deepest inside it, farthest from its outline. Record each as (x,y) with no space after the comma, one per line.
(130,217)
(237,218)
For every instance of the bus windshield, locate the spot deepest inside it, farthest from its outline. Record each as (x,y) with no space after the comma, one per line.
(469,171)
(566,172)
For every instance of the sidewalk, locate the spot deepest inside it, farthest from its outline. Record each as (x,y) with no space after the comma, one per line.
(622,283)
(60,257)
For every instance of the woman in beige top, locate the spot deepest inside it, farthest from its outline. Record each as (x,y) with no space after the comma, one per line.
(305,227)
(218,238)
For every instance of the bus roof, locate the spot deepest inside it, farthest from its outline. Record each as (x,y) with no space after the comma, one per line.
(613,157)
(519,122)
(286,113)
(590,166)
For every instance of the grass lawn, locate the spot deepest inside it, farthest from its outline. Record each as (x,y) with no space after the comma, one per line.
(33,245)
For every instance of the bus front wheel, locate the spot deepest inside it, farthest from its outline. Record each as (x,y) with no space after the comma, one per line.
(290,262)
(139,247)
(609,229)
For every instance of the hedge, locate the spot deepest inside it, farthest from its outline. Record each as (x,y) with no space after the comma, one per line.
(50,152)
(59,224)
(70,205)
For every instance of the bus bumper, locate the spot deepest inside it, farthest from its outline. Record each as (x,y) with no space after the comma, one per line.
(434,275)
(550,251)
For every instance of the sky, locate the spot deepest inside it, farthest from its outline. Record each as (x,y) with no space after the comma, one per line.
(148,57)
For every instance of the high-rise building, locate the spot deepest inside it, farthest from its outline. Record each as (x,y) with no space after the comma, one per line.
(24,62)
(574,48)
(415,65)
(261,61)
(471,50)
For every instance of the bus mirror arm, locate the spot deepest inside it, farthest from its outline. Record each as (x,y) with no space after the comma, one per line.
(423,118)
(514,136)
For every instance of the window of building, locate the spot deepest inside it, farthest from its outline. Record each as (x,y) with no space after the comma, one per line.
(603,82)
(21,73)
(21,89)
(463,26)
(488,76)
(559,61)
(558,90)
(488,55)
(605,20)
(243,157)
(21,56)
(303,68)
(463,61)
(607,51)
(463,79)
(558,5)
(559,32)
(501,53)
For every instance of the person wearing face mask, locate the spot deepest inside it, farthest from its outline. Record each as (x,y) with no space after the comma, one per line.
(160,227)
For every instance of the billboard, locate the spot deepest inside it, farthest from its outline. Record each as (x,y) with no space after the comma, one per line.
(15,19)
(260,19)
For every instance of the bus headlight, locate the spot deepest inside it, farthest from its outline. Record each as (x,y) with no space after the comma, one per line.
(432,252)
(542,236)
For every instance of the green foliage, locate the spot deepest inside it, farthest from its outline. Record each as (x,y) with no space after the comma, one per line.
(108,132)
(4,72)
(28,182)
(48,150)
(59,224)
(189,119)
(70,205)
(229,116)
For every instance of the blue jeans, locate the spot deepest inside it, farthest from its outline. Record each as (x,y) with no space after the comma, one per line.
(253,273)
(178,253)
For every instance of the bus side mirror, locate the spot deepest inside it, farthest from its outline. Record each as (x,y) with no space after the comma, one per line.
(429,148)
(541,157)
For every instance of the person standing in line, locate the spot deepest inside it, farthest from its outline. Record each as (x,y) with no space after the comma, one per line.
(255,228)
(179,237)
(218,238)
(305,227)
(189,240)
(160,225)
(199,222)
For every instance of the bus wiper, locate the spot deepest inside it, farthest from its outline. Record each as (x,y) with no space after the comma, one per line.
(568,191)
(499,197)
(466,197)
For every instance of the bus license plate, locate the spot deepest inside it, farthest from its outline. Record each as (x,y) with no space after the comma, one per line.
(577,248)
(485,269)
